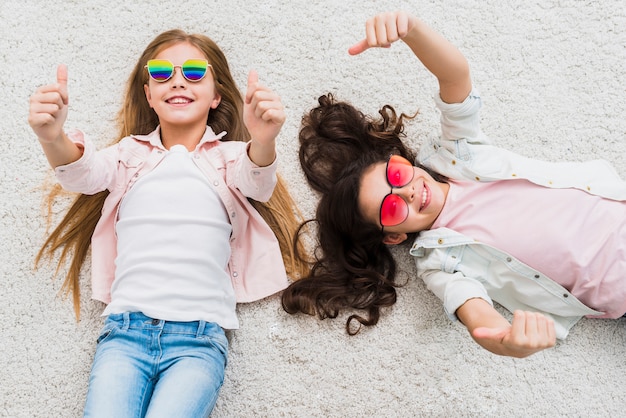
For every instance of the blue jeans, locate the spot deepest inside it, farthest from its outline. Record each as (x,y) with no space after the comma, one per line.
(146,367)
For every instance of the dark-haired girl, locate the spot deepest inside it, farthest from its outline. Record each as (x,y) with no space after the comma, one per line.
(474,214)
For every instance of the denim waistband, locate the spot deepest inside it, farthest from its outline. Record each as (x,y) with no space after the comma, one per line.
(137,320)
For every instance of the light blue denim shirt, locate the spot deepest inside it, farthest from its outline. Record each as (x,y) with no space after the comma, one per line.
(455,267)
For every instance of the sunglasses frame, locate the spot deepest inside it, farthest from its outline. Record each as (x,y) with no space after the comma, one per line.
(182,69)
(398,198)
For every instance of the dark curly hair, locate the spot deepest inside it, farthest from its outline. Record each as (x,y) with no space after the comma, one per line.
(352,268)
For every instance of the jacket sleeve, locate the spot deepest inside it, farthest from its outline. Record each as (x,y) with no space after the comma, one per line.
(463,151)
(93,172)
(253,181)
(454,289)
(461,120)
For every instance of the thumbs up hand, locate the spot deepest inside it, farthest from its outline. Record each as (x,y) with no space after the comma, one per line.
(382,30)
(48,108)
(263,115)
(529,333)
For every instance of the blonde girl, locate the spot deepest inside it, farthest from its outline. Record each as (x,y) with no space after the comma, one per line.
(169,213)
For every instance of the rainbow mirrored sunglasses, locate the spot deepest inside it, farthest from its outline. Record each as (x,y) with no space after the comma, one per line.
(394,210)
(162,70)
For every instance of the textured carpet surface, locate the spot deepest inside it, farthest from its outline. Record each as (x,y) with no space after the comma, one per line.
(552,74)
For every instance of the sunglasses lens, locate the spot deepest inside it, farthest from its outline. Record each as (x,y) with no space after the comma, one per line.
(160,70)
(399,171)
(195,70)
(393,210)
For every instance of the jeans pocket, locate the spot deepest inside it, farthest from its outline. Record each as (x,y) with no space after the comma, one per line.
(107,332)
(216,340)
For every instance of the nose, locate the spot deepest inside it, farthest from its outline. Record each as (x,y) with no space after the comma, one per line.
(406,192)
(177,80)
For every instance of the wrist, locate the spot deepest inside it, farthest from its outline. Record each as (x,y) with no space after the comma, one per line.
(262,153)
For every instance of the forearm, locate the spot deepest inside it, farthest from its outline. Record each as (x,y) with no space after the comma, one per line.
(529,333)
(262,154)
(442,59)
(61,151)
(477,313)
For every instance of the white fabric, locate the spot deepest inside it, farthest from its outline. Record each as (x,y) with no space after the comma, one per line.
(173,247)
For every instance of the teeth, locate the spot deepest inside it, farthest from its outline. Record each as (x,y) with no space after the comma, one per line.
(424,196)
(178,100)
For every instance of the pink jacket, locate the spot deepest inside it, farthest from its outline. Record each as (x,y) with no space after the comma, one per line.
(256,267)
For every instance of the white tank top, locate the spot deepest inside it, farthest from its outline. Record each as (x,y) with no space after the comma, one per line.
(173,247)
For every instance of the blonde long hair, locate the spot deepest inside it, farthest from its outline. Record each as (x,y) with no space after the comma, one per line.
(73,234)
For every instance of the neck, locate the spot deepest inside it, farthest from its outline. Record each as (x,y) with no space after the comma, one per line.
(188,136)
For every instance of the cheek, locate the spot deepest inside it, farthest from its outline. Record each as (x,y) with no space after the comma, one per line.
(148,94)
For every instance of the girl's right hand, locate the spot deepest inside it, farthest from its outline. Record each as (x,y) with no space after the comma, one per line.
(384,29)
(529,333)
(48,108)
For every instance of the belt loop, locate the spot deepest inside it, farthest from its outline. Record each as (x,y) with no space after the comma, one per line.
(201,325)
(126,321)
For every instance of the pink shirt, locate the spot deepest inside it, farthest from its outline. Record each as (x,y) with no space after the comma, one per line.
(538,226)
(255,267)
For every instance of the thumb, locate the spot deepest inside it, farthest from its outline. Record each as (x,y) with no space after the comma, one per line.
(496,334)
(363,46)
(253,80)
(358,47)
(62,81)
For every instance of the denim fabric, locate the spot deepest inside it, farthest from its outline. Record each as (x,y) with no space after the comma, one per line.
(145,367)
(442,256)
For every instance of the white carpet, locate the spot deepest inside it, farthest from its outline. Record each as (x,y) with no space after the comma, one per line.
(552,74)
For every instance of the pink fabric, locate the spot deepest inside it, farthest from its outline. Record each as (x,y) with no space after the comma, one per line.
(256,267)
(575,238)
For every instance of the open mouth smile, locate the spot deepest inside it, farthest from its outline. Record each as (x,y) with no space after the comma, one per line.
(425,197)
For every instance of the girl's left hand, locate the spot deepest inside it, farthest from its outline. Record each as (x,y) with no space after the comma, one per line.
(263,112)
(384,29)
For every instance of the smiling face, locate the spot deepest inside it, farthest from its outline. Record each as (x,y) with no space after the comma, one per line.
(178,102)
(423,195)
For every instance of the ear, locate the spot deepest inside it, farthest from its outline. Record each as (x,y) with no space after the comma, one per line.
(394,238)
(146,90)
(216,101)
